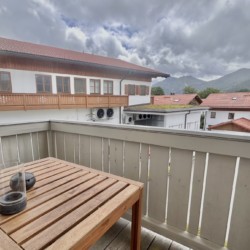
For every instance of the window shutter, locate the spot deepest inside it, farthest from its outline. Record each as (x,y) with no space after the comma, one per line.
(126,89)
(138,90)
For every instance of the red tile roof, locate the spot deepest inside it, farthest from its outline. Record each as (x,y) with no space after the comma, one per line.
(228,100)
(243,123)
(25,48)
(183,99)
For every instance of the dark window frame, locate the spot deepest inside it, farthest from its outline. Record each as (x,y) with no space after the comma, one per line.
(44,84)
(213,115)
(231,116)
(63,82)
(131,89)
(95,81)
(108,82)
(84,85)
(9,83)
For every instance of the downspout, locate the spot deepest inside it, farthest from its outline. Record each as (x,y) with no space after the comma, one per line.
(120,109)
(185,119)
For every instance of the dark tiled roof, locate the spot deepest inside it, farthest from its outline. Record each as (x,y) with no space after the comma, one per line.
(37,50)
(228,100)
(184,99)
(243,123)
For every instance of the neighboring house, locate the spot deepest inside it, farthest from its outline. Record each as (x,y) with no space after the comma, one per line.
(165,116)
(225,107)
(185,99)
(40,82)
(240,125)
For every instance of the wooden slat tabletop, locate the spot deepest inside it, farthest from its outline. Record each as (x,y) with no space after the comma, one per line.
(70,207)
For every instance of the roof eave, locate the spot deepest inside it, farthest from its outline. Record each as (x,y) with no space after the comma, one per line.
(152,74)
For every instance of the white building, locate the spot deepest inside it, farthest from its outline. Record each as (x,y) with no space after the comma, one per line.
(40,82)
(224,107)
(177,118)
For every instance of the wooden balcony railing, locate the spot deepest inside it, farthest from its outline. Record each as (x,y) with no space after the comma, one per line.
(40,101)
(196,183)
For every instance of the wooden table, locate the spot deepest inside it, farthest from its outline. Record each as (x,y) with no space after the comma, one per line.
(70,207)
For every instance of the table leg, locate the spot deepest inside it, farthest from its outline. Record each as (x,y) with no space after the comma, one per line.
(136,225)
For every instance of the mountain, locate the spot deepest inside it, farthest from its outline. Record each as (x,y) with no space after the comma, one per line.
(237,80)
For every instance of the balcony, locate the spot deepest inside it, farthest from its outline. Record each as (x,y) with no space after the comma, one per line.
(9,102)
(196,183)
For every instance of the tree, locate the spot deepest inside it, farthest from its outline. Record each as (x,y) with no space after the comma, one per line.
(204,93)
(189,90)
(243,90)
(157,91)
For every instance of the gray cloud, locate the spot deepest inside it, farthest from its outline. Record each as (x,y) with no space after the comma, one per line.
(202,38)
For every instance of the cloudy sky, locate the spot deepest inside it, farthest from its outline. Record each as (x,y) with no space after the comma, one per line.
(203,38)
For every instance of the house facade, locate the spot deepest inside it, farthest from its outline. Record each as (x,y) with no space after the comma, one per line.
(41,82)
(225,107)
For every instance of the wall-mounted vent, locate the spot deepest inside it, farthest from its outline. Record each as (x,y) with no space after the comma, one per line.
(100,113)
(110,113)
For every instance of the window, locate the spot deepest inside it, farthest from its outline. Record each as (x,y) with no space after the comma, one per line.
(213,115)
(95,86)
(230,116)
(131,89)
(80,85)
(108,87)
(62,84)
(43,84)
(143,90)
(5,82)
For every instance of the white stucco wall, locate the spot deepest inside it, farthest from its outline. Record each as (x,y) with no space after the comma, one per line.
(222,116)
(56,114)
(137,99)
(177,120)
(174,120)
(25,82)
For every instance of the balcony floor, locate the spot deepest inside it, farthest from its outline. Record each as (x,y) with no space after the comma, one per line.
(118,237)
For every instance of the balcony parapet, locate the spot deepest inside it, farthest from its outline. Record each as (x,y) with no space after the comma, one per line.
(196,183)
(10,102)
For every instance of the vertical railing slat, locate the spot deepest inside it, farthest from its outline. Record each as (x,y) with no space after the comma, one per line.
(240,223)
(116,157)
(199,168)
(9,145)
(219,184)
(70,147)
(35,145)
(96,153)
(84,150)
(105,155)
(60,145)
(132,154)
(24,146)
(179,183)
(158,182)
(144,174)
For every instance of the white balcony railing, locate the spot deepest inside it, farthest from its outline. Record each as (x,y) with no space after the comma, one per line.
(196,183)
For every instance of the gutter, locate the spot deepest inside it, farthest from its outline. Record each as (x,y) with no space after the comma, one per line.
(185,119)
(120,109)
